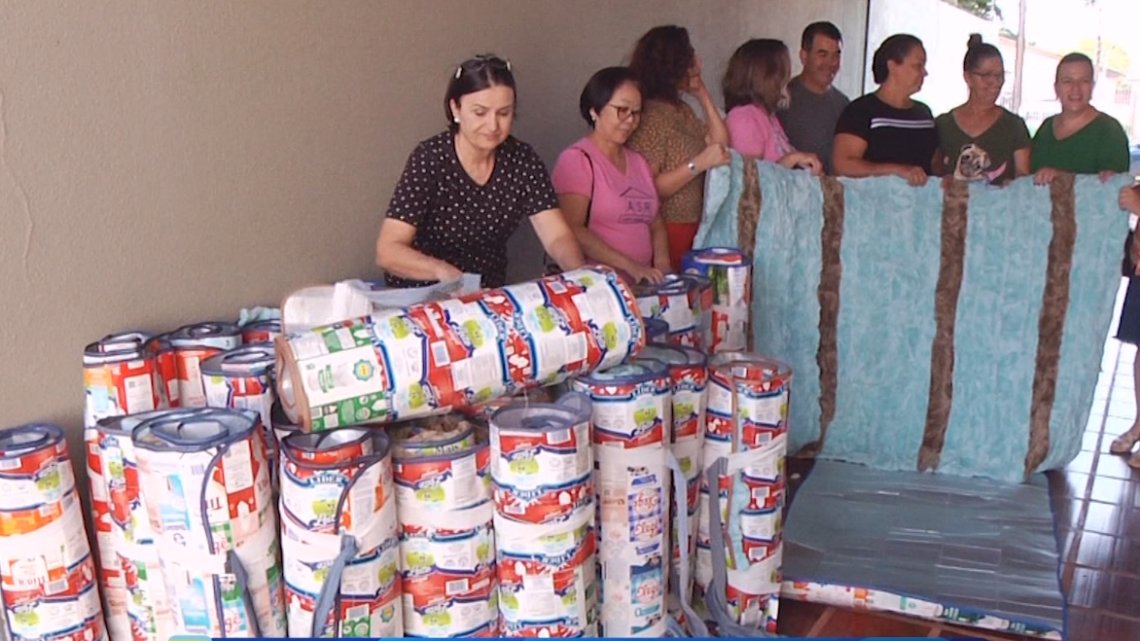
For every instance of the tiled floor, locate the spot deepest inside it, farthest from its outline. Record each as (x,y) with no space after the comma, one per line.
(1097,499)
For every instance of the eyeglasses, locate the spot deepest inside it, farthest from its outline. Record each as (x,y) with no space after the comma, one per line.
(625,113)
(995,76)
(480,62)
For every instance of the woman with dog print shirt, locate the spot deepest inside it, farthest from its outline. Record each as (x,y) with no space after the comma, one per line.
(979,140)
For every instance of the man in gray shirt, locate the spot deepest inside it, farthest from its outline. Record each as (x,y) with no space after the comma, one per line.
(815,105)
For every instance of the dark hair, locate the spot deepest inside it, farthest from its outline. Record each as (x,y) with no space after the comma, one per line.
(823,28)
(895,49)
(476,74)
(661,60)
(756,74)
(977,51)
(600,89)
(1073,57)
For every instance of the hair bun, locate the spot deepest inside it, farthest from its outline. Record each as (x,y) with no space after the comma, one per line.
(974,41)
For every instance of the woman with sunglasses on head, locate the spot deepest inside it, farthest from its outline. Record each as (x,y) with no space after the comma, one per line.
(756,85)
(606,190)
(679,146)
(464,191)
(888,133)
(979,140)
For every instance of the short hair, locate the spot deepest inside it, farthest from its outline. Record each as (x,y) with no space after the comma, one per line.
(1075,56)
(895,49)
(660,60)
(822,28)
(756,74)
(978,51)
(600,89)
(476,74)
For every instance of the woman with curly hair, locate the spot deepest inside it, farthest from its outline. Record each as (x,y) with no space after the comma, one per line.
(679,146)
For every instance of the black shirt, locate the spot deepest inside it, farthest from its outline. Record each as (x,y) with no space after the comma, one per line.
(464,223)
(901,136)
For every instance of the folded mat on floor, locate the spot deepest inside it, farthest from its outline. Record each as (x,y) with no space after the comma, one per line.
(959,550)
(959,331)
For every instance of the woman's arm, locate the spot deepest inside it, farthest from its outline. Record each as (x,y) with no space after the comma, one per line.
(847,159)
(718,132)
(395,255)
(671,181)
(1021,162)
(557,238)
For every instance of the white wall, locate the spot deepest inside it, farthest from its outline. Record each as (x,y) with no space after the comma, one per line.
(164,162)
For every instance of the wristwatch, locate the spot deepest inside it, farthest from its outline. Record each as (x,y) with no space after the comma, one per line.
(692,168)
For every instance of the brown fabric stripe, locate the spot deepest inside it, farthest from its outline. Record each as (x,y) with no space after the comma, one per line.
(830,275)
(955,198)
(1051,324)
(748,210)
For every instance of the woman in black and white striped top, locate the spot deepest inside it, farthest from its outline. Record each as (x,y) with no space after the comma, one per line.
(887,133)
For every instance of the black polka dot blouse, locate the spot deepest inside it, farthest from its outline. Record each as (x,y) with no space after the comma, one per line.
(464,223)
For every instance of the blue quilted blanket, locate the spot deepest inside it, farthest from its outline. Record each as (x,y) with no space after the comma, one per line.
(959,332)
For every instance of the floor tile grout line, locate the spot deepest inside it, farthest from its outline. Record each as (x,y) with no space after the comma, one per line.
(821,622)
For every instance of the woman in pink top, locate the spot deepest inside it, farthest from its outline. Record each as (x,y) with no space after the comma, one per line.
(756,85)
(606,190)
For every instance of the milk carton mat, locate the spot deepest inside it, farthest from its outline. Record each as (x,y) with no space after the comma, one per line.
(965,551)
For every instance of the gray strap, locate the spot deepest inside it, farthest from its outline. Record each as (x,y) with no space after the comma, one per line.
(331,589)
(241,577)
(715,597)
(696,625)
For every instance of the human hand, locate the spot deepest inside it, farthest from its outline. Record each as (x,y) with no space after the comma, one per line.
(803,160)
(1130,199)
(695,84)
(1044,176)
(714,155)
(641,273)
(446,272)
(663,265)
(914,176)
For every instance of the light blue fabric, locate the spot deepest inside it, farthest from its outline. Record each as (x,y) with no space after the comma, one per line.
(891,244)
(891,253)
(1093,283)
(995,341)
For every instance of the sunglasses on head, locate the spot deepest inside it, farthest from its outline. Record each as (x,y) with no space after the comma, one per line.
(481,62)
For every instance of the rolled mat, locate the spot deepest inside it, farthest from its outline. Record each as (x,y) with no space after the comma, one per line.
(454,354)
(632,416)
(730,274)
(684,303)
(739,544)
(542,469)
(205,477)
(688,373)
(128,540)
(193,344)
(447,544)
(339,534)
(120,376)
(47,574)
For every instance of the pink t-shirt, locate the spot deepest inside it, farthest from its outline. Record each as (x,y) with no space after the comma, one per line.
(755,132)
(621,205)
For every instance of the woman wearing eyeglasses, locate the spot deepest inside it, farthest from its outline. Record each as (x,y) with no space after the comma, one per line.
(978,140)
(606,190)
(465,191)
(679,146)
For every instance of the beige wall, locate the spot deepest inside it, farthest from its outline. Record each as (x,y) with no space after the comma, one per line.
(166,162)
